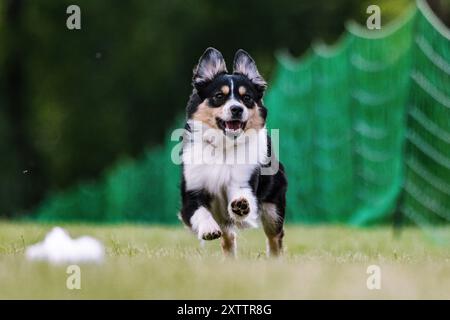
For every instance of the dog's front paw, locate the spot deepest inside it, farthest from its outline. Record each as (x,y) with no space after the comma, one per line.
(209,230)
(240,207)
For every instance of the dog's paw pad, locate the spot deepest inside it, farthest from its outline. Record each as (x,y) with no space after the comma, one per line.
(212,235)
(240,207)
(209,230)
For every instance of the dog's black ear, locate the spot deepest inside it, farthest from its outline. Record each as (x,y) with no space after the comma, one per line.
(244,64)
(210,65)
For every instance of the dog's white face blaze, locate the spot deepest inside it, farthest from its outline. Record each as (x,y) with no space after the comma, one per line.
(226,114)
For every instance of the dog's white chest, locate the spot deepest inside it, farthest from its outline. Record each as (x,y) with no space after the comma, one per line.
(212,167)
(214,177)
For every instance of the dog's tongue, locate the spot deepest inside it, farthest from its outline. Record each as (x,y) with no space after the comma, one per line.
(233,125)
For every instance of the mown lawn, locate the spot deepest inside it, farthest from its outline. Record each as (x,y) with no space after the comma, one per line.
(146,262)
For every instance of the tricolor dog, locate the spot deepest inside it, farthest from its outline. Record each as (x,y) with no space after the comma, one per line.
(226,154)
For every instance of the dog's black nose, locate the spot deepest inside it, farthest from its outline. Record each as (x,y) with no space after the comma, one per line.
(236,111)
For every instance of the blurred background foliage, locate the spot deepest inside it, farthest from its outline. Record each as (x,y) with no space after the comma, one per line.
(73,103)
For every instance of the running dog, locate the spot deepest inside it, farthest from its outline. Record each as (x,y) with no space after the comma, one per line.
(226,152)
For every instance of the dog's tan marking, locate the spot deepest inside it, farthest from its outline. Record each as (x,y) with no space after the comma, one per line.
(228,243)
(273,228)
(270,219)
(275,245)
(207,114)
(255,120)
(242,90)
(225,89)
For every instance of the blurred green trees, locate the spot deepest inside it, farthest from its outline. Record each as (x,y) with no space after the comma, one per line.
(74,102)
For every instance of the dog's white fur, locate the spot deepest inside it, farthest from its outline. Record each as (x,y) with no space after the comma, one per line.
(203,222)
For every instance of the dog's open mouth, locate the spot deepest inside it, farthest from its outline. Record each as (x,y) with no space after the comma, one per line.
(232,126)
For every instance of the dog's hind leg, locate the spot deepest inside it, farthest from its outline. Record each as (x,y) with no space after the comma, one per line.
(275,244)
(228,242)
(272,218)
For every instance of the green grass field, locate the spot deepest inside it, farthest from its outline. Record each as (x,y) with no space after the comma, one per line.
(168,263)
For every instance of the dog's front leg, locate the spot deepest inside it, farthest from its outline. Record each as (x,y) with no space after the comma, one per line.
(204,225)
(195,214)
(242,205)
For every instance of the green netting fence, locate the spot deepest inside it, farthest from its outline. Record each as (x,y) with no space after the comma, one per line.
(349,164)
(291,112)
(426,199)
(364,131)
(132,191)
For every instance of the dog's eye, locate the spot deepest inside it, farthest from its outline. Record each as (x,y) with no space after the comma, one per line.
(219,96)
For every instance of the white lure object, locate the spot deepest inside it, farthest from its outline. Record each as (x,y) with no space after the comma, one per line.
(59,248)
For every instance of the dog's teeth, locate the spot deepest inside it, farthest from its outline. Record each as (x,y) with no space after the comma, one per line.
(233,125)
